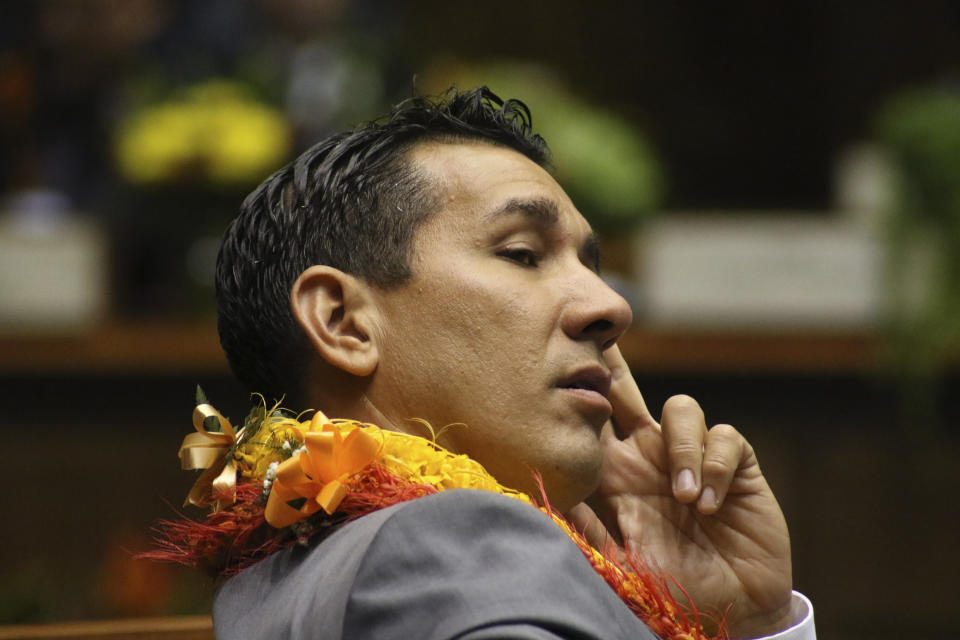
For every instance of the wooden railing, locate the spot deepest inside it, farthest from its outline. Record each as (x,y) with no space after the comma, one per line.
(195,348)
(173,628)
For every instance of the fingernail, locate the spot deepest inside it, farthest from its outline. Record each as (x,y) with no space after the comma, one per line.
(686,482)
(708,499)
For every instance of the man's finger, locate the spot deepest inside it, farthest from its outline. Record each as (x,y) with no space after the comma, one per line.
(629,409)
(724,451)
(684,432)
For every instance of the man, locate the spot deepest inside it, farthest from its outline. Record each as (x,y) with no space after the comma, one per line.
(429,267)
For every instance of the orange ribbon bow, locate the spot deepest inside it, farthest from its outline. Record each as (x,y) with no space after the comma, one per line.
(319,473)
(209,450)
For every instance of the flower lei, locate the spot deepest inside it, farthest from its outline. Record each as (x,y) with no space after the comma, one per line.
(280,481)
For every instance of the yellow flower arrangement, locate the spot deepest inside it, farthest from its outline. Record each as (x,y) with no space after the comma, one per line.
(319,455)
(214,131)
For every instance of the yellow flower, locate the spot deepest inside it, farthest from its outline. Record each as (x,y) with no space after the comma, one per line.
(276,439)
(419,460)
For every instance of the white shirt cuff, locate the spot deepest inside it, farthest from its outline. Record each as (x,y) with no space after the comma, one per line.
(802,615)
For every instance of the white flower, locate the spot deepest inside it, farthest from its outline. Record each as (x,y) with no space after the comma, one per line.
(271,474)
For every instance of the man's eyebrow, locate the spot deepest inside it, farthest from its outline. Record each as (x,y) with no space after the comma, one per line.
(545,213)
(540,210)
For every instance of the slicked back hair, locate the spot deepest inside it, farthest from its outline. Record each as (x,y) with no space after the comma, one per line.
(353,202)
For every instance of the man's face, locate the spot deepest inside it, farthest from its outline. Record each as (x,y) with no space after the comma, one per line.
(503,324)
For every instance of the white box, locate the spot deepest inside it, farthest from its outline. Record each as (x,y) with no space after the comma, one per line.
(53,277)
(774,270)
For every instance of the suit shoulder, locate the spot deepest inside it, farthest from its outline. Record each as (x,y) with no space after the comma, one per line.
(450,564)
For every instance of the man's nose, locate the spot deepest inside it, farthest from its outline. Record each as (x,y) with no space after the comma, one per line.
(596,312)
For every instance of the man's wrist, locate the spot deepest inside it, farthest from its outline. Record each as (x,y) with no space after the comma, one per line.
(762,624)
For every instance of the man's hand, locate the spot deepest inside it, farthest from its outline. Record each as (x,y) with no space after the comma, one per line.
(694,502)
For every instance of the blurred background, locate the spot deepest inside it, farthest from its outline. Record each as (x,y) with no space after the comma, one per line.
(777,186)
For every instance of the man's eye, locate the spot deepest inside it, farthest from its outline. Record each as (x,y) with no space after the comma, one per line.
(526,257)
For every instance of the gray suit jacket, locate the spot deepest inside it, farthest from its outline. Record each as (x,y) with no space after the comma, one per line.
(460,564)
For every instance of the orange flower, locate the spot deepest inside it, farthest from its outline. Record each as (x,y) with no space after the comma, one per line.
(319,473)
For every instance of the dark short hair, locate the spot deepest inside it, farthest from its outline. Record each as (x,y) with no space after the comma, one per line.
(353,202)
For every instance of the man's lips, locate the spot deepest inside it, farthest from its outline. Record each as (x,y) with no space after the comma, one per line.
(588,388)
(591,378)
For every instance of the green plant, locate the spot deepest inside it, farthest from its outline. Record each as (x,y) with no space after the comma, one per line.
(921,130)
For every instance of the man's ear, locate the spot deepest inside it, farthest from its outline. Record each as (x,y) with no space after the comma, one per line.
(338,315)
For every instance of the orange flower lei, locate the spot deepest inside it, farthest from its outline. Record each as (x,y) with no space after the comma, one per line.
(279,481)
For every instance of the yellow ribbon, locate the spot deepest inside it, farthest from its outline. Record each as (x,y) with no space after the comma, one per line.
(209,450)
(319,473)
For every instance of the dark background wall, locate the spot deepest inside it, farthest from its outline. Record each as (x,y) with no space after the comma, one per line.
(749,101)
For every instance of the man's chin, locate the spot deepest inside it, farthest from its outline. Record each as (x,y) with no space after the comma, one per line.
(572,482)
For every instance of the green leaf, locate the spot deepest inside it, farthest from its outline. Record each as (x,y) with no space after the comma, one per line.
(211,423)
(201,396)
